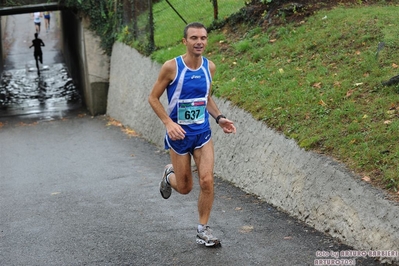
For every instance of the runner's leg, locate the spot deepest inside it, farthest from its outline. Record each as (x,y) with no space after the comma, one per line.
(181,180)
(204,159)
(37,61)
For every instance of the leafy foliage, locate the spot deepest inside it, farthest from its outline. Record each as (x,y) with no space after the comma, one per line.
(105,18)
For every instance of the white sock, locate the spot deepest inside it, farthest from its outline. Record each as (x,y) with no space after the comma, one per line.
(200,227)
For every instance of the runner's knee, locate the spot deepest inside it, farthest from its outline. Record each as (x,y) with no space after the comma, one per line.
(206,183)
(184,187)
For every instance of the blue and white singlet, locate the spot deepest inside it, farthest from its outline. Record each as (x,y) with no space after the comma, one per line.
(188,96)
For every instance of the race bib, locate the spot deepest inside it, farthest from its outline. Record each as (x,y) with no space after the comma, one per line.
(191,111)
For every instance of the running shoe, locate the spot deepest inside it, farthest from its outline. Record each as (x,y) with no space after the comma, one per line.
(206,238)
(164,187)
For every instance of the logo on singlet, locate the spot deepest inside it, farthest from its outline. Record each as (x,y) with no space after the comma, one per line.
(195,77)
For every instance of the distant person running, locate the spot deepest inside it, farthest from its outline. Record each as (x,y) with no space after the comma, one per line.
(37,53)
(47,20)
(37,20)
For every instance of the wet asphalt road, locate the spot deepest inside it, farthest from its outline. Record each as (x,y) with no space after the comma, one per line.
(82,190)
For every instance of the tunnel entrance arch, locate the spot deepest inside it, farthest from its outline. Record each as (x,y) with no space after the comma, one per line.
(87,63)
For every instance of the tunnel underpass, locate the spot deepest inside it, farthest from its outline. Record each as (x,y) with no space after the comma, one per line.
(64,83)
(25,90)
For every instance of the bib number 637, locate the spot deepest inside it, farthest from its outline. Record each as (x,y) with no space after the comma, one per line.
(192,114)
(191,111)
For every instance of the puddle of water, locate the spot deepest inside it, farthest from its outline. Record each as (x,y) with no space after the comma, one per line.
(22,91)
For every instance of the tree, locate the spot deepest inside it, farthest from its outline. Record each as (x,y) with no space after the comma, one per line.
(215,9)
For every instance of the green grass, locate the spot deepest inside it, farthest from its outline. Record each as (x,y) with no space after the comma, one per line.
(169,26)
(318,83)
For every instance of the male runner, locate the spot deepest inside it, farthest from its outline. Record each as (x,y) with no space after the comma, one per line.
(187,80)
(37,53)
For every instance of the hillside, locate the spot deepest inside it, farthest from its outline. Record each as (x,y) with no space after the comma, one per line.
(310,70)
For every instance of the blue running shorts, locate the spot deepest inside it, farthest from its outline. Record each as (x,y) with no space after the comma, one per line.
(189,143)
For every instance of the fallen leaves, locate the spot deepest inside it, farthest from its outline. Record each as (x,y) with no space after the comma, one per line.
(317,85)
(391,113)
(322,103)
(393,106)
(246,229)
(349,93)
(128,131)
(23,124)
(113,122)
(366,179)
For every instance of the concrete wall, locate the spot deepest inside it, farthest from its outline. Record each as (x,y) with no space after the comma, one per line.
(311,187)
(3,25)
(131,80)
(86,61)
(97,64)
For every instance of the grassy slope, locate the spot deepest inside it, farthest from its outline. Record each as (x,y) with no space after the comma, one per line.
(319,82)
(169,26)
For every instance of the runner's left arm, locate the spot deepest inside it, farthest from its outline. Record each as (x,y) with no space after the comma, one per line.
(226,124)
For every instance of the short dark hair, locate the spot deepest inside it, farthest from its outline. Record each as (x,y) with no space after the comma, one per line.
(197,25)
(36,34)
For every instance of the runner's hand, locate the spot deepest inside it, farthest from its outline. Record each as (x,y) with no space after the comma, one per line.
(175,131)
(227,125)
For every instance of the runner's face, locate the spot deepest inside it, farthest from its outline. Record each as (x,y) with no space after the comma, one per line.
(196,41)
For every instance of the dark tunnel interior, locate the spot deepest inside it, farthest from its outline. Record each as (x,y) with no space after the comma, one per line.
(53,87)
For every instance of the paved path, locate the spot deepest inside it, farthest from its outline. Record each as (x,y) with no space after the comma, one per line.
(79,191)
